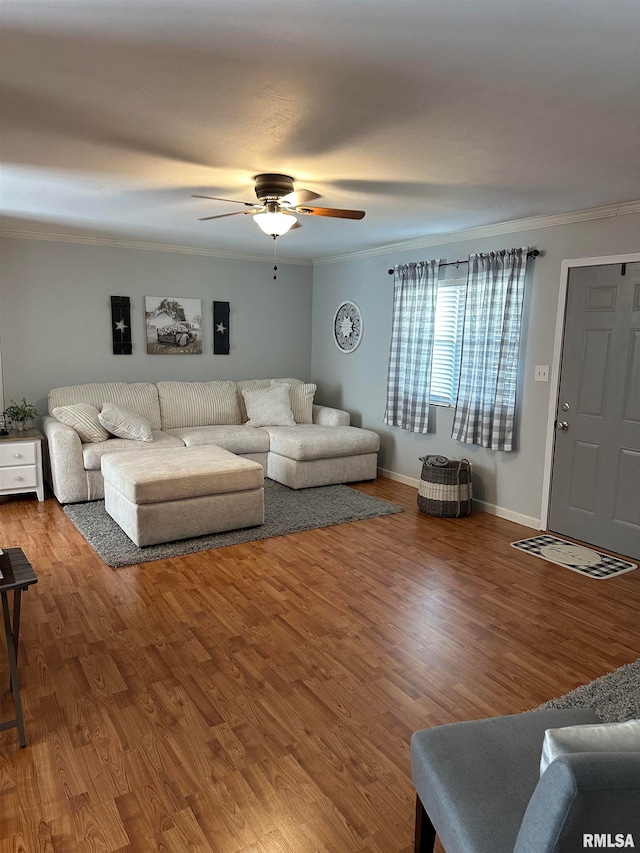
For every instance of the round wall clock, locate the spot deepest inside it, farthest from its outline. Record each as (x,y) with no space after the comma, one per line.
(348,326)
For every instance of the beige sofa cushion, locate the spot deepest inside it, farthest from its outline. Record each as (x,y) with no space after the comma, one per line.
(171,475)
(84,418)
(196,404)
(237,439)
(320,442)
(92,453)
(139,397)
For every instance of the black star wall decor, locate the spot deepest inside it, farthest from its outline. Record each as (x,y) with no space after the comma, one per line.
(221,328)
(121,325)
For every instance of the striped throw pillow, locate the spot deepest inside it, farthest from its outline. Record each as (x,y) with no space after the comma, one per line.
(125,424)
(83,417)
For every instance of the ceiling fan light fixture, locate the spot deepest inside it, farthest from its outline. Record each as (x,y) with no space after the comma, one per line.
(278,204)
(275,224)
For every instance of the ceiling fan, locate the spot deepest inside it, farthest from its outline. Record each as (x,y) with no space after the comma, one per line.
(277,204)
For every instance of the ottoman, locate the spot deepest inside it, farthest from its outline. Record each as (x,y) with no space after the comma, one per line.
(182,492)
(309,455)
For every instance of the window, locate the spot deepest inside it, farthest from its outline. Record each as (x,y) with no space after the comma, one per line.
(485,406)
(447,341)
(456,343)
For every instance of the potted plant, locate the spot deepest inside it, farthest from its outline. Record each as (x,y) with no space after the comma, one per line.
(21,413)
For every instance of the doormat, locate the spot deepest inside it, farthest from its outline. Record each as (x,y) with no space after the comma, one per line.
(578,558)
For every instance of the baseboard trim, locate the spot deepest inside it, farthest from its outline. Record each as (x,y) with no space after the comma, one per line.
(399,478)
(483,506)
(508,514)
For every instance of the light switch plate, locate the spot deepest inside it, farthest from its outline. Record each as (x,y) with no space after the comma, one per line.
(542,372)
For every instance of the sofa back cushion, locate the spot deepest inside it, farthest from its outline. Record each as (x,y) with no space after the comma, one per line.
(138,397)
(196,404)
(252,384)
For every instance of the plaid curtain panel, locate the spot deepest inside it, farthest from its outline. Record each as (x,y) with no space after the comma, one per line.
(490,345)
(409,376)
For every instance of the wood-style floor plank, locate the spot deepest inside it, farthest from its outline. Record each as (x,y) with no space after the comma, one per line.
(260,698)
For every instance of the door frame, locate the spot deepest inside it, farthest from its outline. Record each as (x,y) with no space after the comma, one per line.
(565,271)
(1,382)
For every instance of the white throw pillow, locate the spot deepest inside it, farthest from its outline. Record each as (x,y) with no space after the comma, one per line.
(268,406)
(599,737)
(84,418)
(301,400)
(124,423)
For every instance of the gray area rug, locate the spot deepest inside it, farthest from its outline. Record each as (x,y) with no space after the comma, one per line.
(614,697)
(286,511)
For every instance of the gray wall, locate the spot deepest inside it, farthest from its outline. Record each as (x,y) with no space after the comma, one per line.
(509,481)
(55,330)
(55,315)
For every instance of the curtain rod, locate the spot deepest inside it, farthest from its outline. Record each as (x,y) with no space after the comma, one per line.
(532,254)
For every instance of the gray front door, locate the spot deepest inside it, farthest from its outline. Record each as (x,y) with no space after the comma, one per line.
(595,486)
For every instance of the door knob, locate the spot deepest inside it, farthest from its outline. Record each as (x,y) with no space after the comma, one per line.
(562,425)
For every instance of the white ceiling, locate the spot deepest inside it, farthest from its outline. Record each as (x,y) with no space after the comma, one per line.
(432,115)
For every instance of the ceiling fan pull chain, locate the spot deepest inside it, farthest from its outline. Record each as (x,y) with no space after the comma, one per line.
(275,256)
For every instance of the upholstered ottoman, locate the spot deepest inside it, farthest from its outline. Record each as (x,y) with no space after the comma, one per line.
(182,492)
(313,455)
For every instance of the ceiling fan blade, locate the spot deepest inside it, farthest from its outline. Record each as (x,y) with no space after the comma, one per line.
(217,198)
(331,211)
(223,215)
(298,197)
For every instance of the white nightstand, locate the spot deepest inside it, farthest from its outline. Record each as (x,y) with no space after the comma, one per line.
(21,463)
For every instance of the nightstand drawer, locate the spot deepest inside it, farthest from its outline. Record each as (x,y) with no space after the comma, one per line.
(25,477)
(18,453)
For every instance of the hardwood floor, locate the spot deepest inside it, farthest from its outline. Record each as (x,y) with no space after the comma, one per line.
(260,698)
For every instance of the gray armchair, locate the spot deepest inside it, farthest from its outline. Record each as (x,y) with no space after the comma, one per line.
(479,788)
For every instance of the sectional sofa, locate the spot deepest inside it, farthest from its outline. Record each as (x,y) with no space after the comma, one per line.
(271,421)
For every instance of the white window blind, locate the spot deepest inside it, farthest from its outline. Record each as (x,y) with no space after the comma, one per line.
(447,343)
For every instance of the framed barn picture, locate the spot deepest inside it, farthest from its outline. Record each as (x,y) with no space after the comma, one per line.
(174,325)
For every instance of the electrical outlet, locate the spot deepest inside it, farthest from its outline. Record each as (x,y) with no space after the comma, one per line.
(542,372)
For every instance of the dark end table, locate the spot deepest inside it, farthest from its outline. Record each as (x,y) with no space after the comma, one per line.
(16,574)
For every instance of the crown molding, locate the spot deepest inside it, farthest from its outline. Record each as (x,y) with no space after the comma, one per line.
(510,227)
(146,247)
(496,230)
